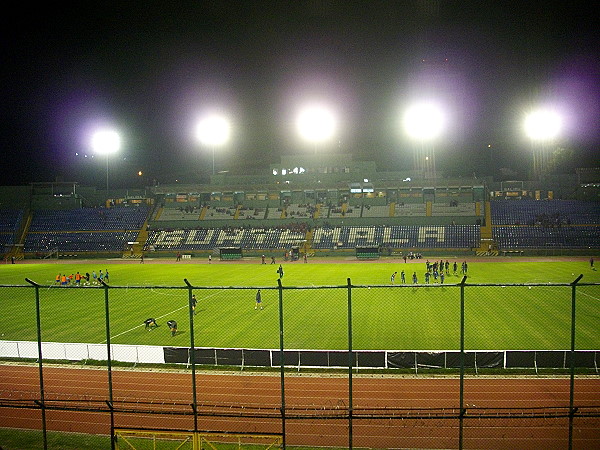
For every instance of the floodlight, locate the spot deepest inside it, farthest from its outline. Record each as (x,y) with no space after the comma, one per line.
(106,142)
(424,121)
(543,125)
(316,123)
(213,131)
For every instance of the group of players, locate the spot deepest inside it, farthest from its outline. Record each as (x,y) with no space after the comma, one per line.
(150,323)
(78,279)
(435,272)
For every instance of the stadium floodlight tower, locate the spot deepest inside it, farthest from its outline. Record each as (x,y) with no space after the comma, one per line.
(106,142)
(213,131)
(424,122)
(542,127)
(316,123)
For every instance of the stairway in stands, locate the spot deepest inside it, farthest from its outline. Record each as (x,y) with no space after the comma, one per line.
(487,246)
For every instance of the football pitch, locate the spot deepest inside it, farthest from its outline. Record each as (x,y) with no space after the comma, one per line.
(536,316)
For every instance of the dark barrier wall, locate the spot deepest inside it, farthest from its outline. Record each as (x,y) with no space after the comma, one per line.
(385,359)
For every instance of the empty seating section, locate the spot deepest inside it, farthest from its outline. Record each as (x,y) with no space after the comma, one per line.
(89,219)
(252,213)
(178,214)
(10,220)
(323,210)
(458,209)
(548,224)
(304,211)
(85,230)
(220,212)
(274,213)
(410,209)
(547,212)
(376,211)
(99,241)
(449,236)
(344,211)
(519,237)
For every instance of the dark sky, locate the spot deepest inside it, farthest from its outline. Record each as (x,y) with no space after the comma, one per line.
(151,68)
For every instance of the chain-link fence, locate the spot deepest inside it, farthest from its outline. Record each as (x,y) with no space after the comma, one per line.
(421,366)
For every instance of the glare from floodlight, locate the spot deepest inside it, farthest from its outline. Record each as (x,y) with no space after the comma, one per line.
(106,142)
(543,125)
(316,123)
(424,121)
(213,131)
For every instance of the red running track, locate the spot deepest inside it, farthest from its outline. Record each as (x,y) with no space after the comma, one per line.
(390,412)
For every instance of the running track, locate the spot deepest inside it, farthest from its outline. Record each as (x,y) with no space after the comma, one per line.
(392,412)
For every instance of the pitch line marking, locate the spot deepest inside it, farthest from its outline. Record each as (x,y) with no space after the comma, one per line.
(158,317)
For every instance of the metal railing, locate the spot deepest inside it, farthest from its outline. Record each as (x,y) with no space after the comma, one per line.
(458,418)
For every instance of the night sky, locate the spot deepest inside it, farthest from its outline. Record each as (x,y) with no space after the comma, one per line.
(150,69)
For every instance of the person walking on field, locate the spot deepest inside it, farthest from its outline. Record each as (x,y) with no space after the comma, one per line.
(194,303)
(258,300)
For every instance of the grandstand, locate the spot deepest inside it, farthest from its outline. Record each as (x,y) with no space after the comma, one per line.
(455,217)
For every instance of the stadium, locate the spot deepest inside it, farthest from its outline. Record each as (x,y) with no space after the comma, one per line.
(525,246)
(307,225)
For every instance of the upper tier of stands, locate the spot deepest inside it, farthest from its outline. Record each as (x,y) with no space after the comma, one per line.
(10,219)
(85,229)
(552,224)
(547,213)
(307,211)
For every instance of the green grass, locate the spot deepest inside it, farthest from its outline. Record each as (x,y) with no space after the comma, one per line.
(13,439)
(384,317)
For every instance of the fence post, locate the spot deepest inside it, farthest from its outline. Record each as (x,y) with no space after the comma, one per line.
(40,364)
(109,365)
(462,363)
(192,355)
(281,362)
(350,364)
(572,377)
